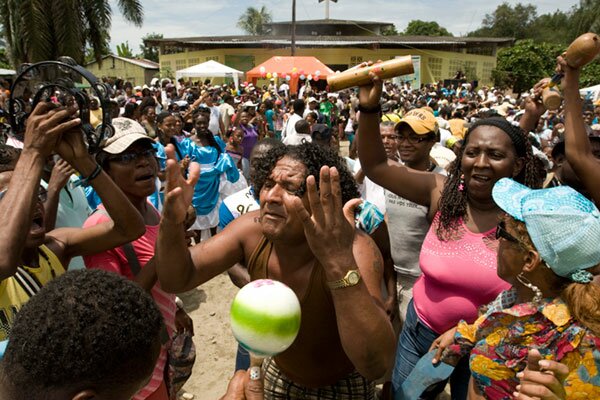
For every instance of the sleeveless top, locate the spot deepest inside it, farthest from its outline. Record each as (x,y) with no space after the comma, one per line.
(459,276)
(316,358)
(16,290)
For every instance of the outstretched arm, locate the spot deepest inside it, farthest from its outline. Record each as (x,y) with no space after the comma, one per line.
(179,268)
(45,126)
(417,186)
(126,223)
(365,331)
(578,149)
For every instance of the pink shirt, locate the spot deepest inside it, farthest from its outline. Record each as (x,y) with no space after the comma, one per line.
(459,276)
(115,261)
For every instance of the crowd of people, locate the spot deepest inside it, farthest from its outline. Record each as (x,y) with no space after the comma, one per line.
(460,225)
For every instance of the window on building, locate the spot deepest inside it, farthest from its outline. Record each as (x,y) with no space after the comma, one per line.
(194,61)
(214,58)
(355,60)
(180,64)
(435,66)
(481,50)
(486,75)
(165,64)
(470,70)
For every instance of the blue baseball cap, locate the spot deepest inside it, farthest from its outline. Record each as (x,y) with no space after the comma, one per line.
(563,225)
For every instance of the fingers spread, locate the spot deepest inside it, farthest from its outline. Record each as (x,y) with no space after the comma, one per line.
(314,200)
(325,193)
(294,204)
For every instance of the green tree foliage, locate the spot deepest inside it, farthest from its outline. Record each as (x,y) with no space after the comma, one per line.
(38,30)
(253,21)
(555,27)
(521,66)
(590,74)
(547,36)
(150,52)
(417,27)
(508,21)
(4,62)
(390,31)
(123,50)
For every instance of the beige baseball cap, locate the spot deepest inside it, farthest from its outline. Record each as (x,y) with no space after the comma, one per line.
(127,131)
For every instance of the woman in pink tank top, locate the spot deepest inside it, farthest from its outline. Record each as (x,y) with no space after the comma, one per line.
(129,159)
(458,256)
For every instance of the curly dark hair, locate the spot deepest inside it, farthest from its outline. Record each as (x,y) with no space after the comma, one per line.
(87,327)
(313,157)
(453,202)
(8,157)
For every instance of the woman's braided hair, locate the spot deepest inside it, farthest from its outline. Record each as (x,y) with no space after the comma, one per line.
(453,202)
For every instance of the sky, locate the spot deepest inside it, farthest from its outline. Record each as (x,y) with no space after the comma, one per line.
(219,17)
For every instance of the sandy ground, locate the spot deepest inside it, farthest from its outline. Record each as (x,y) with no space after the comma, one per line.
(208,305)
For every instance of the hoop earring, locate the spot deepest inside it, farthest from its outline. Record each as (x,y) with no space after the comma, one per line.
(537,293)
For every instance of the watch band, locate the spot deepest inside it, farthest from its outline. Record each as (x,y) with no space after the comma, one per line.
(351,278)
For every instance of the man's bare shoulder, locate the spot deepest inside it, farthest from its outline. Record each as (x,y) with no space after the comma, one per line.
(246,229)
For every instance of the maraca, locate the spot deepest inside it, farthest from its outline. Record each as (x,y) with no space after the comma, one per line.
(580,52)
(265,317)
(551,98)
(360,76)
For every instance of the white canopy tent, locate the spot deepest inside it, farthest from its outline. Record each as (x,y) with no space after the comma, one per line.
(210,69)
(7,72)
(592,92)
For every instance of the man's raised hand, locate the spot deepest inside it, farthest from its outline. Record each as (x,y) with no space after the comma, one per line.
(179,190)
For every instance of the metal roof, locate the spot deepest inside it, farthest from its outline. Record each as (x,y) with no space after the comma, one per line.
(330,22)
(140,62)
(329,41)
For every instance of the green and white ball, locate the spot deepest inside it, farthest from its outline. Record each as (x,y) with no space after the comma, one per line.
(265,317)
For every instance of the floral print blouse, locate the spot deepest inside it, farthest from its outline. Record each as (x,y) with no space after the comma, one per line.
(500,339)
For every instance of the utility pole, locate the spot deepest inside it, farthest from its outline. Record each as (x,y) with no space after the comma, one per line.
(293,28)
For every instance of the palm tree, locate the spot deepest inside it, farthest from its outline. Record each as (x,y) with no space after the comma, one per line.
(253,20)
(38,30)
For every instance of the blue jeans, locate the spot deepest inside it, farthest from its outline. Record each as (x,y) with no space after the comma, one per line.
(415,340)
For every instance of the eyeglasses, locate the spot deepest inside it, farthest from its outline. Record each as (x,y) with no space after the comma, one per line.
(502,233)
(128,158)
(389,137)
(413,139)
(42,194)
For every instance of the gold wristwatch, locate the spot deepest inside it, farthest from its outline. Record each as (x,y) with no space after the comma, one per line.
(351,279)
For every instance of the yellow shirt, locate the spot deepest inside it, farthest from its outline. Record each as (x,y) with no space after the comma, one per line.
(96,117)
(26,282)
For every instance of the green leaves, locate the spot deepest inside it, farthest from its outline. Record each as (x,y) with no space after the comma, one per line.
(37,30)
(417,27)
(522,65)
(253,21)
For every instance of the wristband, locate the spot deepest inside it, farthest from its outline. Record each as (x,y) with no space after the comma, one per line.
(369,110)
(85,181)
